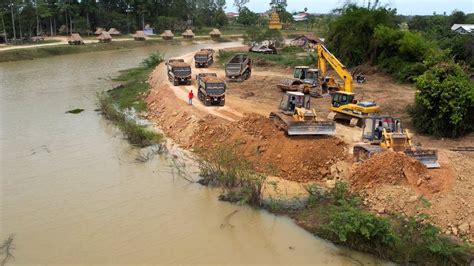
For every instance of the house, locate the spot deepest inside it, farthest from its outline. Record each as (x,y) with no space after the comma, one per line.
(75,39)
(301,16)
(232,15)
(188,34)
(139,36)
(105,37)
(463,28)
(307,41)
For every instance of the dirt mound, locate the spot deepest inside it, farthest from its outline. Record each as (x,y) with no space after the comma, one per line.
(300,159)
(394,168)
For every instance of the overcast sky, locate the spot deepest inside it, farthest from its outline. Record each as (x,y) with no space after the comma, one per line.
(405,7)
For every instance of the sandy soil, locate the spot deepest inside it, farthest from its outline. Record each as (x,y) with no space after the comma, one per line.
(446,194)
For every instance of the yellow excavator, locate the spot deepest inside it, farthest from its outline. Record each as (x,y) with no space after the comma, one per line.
(296,118)
(344,106)
(386,133)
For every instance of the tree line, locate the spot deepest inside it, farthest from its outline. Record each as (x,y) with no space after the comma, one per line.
(21,18)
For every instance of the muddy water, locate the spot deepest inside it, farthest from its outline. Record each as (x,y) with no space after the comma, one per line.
(71,191)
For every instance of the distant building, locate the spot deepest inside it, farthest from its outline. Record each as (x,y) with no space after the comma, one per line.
(232,15)
(148,30)
(301,16)
(463,28)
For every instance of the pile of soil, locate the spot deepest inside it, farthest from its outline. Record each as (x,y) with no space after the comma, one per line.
(271,151)
(394,168)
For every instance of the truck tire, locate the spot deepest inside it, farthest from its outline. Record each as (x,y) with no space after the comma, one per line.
(222,103)
(176,83)
(189,82)
(247,74)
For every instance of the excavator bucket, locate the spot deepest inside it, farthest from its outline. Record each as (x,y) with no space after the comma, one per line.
(296,128)
(427,157)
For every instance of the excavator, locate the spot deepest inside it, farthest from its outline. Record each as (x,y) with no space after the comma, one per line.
(382,133)
(344,106)
(296,118)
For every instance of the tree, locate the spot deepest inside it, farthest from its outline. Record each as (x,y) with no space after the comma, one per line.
(444,104)
(240,4)
(247,17)
(351,34)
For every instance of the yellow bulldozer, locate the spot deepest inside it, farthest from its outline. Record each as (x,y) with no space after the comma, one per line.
(382,133)
(296,118)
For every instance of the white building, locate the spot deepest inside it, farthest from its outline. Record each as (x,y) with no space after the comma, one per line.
(463,28)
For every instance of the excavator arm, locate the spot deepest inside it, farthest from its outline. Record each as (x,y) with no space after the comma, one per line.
(324,57)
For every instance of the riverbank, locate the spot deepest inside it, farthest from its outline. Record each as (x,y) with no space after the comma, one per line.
(52,49)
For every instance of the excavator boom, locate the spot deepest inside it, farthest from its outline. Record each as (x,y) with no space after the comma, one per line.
(324,56)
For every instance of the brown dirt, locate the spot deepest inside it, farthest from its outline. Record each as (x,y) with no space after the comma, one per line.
(389,183)
(299,159)
(397,169)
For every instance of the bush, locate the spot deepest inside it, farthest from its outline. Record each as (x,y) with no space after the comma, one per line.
(153,60)
(225,166)
(444,105)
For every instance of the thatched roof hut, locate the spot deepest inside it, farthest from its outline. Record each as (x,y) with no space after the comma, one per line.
(113,31)
(215,33)
(76,39)
(167,35)
(188,34)
(139,36)
(104,37)
(98,31)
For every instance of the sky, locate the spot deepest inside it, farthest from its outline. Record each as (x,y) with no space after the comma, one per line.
(404,7)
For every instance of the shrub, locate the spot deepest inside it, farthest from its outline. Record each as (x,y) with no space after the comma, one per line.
(153,60)
(444,104)
(227,167)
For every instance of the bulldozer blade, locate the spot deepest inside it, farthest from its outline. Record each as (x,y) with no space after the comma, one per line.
(427,157)
(311,128)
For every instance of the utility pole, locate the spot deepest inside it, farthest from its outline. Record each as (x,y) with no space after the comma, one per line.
(13,21)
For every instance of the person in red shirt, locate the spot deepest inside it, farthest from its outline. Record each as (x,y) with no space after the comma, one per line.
(190,97)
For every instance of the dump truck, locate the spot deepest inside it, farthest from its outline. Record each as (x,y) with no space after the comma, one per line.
(204,58)
(386,133)
(178,72)
(239,68)
(211,90)
(296,118)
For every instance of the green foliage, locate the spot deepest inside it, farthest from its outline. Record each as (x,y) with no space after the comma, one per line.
(153,60)
(444,105)
(225,166)
(247,17)
(255,34)
(136,134)
(349,223)
(351,34)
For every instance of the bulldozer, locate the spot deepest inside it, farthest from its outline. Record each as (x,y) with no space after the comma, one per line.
(382,133)
(296,118)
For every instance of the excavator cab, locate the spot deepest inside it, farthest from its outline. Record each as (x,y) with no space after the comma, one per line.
(340,98)
(300,72)
(292,100)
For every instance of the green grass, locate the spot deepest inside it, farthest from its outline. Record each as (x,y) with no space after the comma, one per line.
(130,95)
(289,56)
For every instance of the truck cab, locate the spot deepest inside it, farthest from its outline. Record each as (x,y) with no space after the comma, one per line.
(211,90)
(178,72)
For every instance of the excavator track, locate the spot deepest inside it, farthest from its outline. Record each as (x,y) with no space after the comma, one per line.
(302,128)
